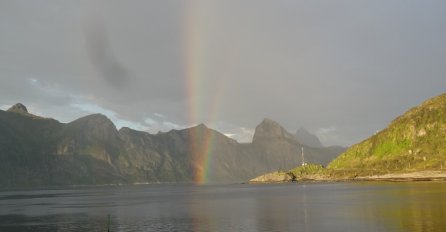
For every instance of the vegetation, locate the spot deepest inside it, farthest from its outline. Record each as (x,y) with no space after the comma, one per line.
(319,172)
(415,141)
(303,172)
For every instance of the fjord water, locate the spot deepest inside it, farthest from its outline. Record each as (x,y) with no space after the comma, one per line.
(368,206)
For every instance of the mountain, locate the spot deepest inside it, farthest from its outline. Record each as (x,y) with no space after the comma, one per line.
(270,130)
(307,138)
(37,151)
(282,150)
(414,141)
(18,108)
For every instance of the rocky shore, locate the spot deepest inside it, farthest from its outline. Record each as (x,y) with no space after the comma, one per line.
(274,177)
(281,177)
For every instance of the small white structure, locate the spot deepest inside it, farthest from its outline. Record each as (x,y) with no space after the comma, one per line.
(303,159)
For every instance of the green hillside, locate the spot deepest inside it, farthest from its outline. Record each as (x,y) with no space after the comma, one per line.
(414,141)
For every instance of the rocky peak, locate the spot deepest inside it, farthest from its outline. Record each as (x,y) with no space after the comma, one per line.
(96,125)
(95,118)
(269,129)
(98,120)
(201,126)
(305,137)
(125,130)
(18,108)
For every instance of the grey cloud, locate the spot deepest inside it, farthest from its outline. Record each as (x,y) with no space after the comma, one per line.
(351,65)
(102,55)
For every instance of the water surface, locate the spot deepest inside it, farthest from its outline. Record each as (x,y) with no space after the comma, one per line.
(368,206)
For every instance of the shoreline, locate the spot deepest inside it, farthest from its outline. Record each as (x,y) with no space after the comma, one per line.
(391,177)
(410,176)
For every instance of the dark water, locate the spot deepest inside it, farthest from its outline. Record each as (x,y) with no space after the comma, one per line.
(373,206)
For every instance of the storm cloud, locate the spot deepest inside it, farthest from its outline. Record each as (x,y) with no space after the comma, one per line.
(341,69)
(102,56)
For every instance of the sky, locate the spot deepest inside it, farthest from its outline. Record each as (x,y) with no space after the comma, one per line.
(341,69)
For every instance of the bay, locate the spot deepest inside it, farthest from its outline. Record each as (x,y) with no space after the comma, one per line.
(354,206)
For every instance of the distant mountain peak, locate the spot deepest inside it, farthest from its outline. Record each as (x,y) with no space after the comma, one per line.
(268,121)
(18,108)
(97,115)
(269,129)
(95,121)
(125,129)
(305,137)
(201,125)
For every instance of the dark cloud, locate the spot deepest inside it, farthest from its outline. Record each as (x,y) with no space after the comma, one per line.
(102,55)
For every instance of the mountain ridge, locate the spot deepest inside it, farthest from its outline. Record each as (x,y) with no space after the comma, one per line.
(91,150)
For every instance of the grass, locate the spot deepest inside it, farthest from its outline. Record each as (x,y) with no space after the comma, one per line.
(415,141)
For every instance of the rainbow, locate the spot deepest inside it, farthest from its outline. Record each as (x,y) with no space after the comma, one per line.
(202,108)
